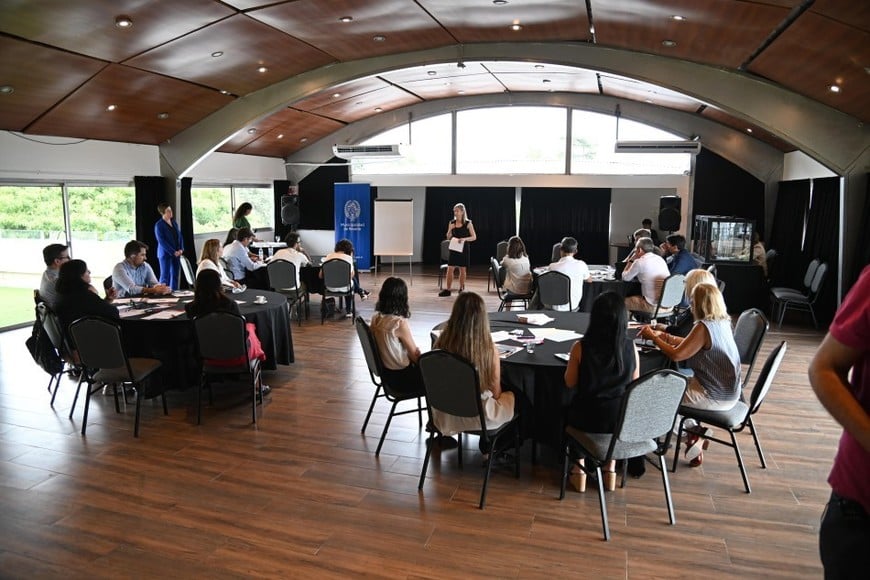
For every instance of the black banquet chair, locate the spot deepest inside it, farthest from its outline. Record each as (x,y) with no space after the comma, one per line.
(383,389)
(738,417)
(554,289)
(645,424)
(221,336)
(749,335)
(52,328)
(506,297)
(444,250)
(337,283)
(100,348)
(783,299)
(453,388)
(282,279)
(187,270)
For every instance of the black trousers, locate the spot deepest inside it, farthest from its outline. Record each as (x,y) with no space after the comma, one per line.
(844,539)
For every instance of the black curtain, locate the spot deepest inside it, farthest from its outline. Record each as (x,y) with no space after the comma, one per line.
(862,250)
(150,191)
(317,197)
(723,188)
(492,210)
(185,207)
(822,240)
(549,214)
(792,202)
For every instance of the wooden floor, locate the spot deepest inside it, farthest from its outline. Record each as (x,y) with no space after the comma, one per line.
(302,494)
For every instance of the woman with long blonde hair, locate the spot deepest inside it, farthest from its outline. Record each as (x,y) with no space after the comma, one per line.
(460,232)
(209,259)
(710,352)
(467,334)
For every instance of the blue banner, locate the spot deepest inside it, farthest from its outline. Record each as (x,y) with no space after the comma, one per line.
(353,220)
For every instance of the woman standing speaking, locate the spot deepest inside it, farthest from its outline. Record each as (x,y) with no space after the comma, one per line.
(460,232)
(170,245)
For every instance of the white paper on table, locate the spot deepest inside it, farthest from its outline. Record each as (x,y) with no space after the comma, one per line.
(555,334)
(160,300)
(164,315)
(456,245)
(129,312)
(182,293)
(537,319)
(501,335)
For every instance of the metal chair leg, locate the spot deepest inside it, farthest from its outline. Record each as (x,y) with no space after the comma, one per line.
(740,462)
(752,430)
(602,502)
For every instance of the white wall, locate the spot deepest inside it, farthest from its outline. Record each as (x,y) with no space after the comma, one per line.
(38,158)
(234,169)
(798,165)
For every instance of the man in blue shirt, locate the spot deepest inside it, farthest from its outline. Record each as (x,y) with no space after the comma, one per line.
(239,262)
(679,259)
(134,276)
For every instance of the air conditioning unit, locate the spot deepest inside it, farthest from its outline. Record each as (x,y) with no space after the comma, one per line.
(351,151)
(692,147)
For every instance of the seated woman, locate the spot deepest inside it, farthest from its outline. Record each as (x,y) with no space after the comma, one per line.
(684,320)
(209,259)
(396,347)
(600,367)
(209,297)
(467,334)
(344,251)
(76,297)
(711,353)
(516,263)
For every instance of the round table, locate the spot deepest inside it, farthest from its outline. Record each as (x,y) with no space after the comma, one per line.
(172,340)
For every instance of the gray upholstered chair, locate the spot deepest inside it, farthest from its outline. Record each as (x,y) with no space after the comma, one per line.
(645,424)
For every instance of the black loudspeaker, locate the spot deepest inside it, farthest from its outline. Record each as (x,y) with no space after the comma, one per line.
(669,213)
(290,210)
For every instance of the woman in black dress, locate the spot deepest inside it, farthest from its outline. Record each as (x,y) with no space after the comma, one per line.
(600,367)
(460,232)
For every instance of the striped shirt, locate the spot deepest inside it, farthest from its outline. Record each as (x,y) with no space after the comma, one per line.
(718,369)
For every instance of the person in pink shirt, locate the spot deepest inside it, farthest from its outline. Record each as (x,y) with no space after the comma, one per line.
(844,535)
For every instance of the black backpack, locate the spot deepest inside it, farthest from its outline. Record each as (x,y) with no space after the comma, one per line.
(42,350)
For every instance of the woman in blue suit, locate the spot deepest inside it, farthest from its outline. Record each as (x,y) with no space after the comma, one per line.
(170,245)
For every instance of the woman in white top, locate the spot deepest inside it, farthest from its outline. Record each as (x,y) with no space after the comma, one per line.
(398,351)
(209,259)
(516,264)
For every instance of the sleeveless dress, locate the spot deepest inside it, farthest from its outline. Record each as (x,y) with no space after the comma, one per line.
(716,381)
(596,404)
(401,374)
(463,258)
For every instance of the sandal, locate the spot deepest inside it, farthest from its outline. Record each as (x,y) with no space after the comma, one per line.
(577,479)
(609,480)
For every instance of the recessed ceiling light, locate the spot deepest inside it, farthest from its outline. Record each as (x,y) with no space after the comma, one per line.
(280,135)
(162,116)
(336,95)
(834,88)
(346,19)
(252,130)
(591,29)
(379,38)
(111,108)
(262,69)
(749,129)
(647,100)
(7,90)
(378,109)
(431,73)
(303,139)
(678,18)
(669,43)
(224,92)
(217,53)
(122,21)
(460,92)
(867,69)
(516,26)
(499,2)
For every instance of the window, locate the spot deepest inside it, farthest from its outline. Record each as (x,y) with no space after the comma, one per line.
(101,221)
(213,207)
(30,219)
(428,152)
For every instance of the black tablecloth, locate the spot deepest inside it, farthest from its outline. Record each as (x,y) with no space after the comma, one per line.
(310,276)
(172,341)
(540,375)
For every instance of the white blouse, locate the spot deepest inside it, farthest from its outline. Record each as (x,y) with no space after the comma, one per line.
(519,274)
(207,264)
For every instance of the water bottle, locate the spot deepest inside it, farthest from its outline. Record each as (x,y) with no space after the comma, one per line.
(260,253)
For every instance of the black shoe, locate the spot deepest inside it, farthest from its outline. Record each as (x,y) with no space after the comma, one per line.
(636,467)
(442,442)
(444,293)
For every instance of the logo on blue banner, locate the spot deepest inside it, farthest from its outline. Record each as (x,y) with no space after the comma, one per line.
(353,220)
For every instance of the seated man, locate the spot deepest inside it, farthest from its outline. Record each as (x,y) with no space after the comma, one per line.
(653,235)
(134,276)
(678,258)
(54,256)
(294,253)
(575,269)
(650,270)
(245,269)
